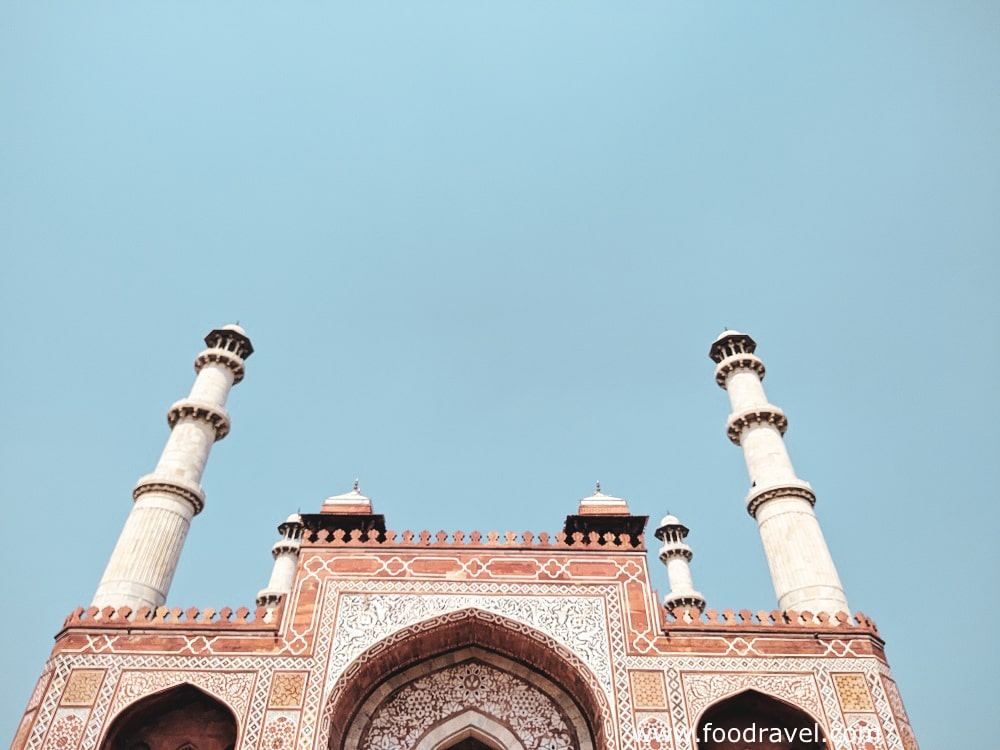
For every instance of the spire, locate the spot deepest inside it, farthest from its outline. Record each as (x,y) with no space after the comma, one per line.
(802,570)
(676,555)
(286,556)
(144,560)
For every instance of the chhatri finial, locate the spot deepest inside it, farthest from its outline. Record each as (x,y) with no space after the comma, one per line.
(355,484)
(597,488)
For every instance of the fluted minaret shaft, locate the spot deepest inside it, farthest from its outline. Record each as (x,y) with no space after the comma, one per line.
(142,565)
(802,570)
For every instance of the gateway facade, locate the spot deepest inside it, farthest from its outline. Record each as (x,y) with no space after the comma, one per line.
(369,638)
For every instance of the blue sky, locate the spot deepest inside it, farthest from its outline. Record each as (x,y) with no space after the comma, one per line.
(482,250)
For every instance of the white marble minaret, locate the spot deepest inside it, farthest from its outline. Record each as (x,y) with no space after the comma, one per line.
(801,567)
(676,555)
(286,556)
(145,558)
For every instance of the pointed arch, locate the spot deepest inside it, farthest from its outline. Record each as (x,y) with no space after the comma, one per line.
(750,718)
(510,646)
(470,725)
(182,717)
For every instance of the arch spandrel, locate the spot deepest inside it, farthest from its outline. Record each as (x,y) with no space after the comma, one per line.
(703,690)
(231,689)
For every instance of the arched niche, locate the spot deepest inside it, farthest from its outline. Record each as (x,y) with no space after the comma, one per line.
(508,652)
(759,722)
(181,718)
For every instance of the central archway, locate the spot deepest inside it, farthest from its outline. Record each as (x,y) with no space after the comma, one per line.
(479,693)
(468,679)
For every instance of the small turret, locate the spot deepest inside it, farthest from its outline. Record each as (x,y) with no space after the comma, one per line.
(286,556)
(676,555)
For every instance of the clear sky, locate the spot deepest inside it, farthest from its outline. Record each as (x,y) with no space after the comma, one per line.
(481,250)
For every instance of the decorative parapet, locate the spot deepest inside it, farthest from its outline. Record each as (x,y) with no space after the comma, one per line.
(738,362)
(187,409)
(759,496)
(172,618)
(476,539)
(769,414)
(194,495)
(690,619)
(226,359)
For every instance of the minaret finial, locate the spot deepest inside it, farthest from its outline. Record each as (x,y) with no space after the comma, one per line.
(597,487)
(802,570)
(356,484)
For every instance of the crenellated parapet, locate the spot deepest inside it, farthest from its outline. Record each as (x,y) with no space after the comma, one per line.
(696,620)
(475,539)
(170,618)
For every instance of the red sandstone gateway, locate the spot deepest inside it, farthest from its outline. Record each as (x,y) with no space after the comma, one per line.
(369,638)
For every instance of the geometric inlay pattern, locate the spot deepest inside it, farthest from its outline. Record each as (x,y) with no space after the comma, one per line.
(22,731)
(863,732)
(279,730)
(409,713)
(82,687)
(654,731)
(895,700)
(287,690)
(650,696)
(39,691)
(67,728)
(648,689)
(854,693)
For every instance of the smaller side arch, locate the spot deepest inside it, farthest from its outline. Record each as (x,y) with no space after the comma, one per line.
(752,719)
(182,717)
